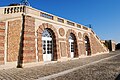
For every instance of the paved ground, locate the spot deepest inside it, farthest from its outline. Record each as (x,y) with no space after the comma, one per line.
(104,70)
(80,69)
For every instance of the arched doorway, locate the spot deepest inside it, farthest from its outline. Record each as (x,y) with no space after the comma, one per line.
(72,45)
(55,44)
(87,46)
(47,45)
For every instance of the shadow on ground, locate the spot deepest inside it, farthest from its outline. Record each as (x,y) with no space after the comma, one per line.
(118,77)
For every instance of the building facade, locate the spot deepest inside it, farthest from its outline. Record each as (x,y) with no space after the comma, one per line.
(110,44)
(30,35)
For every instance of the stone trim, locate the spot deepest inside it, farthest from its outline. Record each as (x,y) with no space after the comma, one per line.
(79,35)
(61,32)
(62,39)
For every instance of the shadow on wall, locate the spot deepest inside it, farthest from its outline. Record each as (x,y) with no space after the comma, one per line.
(20,55)
(118,46)
(118,77)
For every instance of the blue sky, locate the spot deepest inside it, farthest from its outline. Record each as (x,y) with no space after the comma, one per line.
(103,15)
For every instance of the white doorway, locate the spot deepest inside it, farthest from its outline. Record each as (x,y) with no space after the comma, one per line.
(86,51)
(47,46)
(87,46)
(71,44)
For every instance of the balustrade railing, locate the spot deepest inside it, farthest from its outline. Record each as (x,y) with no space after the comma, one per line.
(60,20)
(45,15)
(85,28)
(16,9)
(70,23)
(78,25)
(92,31)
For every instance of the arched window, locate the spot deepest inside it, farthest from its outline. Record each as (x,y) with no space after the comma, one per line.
(46,33)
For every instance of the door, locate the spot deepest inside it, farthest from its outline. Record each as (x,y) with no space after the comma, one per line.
(47,48)
(87,46)
(71,43)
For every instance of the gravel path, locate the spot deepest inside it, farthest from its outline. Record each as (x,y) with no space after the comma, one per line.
(48,69)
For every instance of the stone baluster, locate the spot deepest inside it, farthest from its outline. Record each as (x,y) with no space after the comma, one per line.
(5,10)
(18,9)
(11,10)
(8,10)
(21,9)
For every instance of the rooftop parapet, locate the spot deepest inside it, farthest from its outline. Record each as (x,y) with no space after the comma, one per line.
(30,10)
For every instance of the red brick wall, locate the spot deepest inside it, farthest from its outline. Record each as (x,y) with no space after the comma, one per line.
(21,40)
(81,48)
(2,40)
(14,29)
(29,54)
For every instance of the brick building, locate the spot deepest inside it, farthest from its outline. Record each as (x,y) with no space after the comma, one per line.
(30,35)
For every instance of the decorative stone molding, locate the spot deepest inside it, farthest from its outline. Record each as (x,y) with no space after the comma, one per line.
(85,34)
(61,32)
(79,35)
